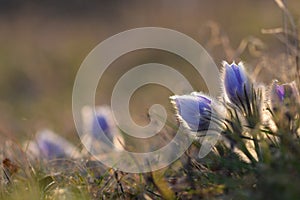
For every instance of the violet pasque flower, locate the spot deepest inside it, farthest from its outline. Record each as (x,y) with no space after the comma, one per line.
(101,120)
(193,110)
(49,145)
(284,98)
(237,85)
(100,131)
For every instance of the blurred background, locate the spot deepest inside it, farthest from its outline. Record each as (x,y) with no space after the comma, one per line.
(43,43)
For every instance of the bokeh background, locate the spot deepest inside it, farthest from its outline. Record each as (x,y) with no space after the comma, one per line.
(42,44)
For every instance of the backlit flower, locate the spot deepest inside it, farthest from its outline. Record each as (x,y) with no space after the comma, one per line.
(193,110)
(48,145)
(100,131)
(237,85)
(284,98)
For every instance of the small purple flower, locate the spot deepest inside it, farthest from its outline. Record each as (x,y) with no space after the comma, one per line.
(236,82)
(99,124)
(51,146)
(100,131)
(193,110)
(284,97)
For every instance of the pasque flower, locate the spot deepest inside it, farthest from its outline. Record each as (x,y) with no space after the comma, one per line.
(237,85)
(100,131)
(193,110)
(284,98)
(49,145)
(101,120)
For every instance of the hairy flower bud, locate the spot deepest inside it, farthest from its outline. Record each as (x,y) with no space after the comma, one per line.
(284,98)
(50,146)
(193,110)
(237,85)
(100,131)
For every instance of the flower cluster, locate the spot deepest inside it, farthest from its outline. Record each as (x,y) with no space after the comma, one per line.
(245,109)
(237,115)
(195,109)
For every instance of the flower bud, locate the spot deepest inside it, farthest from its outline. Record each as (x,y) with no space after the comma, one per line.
(284,98)
(237,85)
(193,110)
(100,131)
(50,146)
